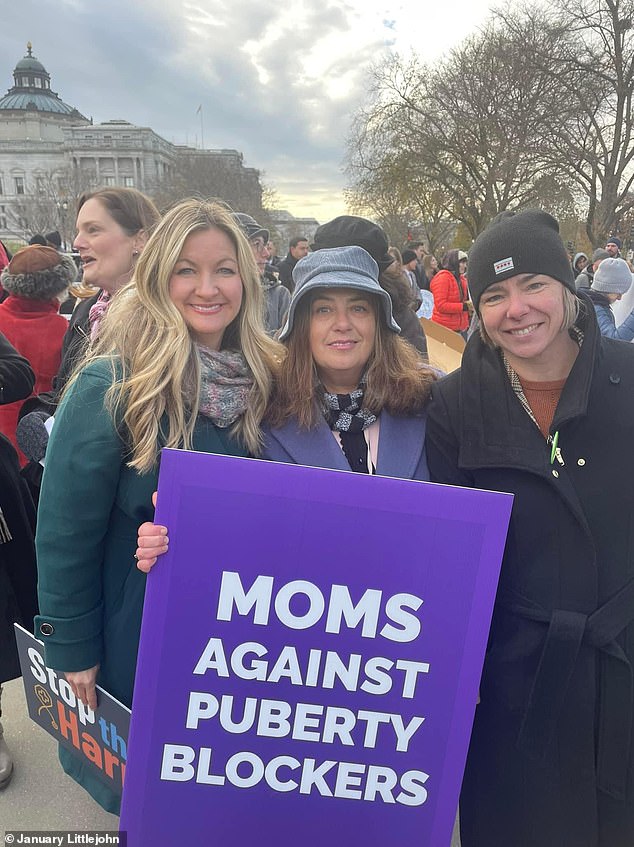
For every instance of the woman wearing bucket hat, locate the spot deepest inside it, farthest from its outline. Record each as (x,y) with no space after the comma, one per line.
(350,394)
(353,231)
(543,407)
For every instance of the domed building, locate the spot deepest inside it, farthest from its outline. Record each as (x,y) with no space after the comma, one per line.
(32,159)
(50,153)
(31,110)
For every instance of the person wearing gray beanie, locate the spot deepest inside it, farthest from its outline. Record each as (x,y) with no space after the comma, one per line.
(584,279)
(542,407)
(612,280)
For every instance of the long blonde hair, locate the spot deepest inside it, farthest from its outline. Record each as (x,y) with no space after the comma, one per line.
(154,362)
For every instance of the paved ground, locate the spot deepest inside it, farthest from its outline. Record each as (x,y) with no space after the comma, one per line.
(61,804)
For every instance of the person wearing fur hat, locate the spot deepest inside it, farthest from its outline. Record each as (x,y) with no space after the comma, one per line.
(37,278)
(612,280)
(543,407)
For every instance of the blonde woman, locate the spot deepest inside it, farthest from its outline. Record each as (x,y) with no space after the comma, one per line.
(182,361)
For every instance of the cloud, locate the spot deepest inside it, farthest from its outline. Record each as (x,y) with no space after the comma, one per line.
(278,81)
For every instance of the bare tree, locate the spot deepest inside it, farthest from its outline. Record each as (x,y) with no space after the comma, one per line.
(587,48)
(49,203)
(472,127)
(220,175)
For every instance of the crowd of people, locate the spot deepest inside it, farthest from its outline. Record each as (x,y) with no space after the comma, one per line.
(185,334)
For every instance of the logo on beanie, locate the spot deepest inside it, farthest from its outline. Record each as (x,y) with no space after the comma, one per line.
(503,265)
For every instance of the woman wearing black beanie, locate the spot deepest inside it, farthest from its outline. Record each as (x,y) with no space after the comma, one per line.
(543,407)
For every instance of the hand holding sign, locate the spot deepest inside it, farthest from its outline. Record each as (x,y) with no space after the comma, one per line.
(83,685)
(152,542)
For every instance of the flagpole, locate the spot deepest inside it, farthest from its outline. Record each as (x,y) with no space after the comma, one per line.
(202,132)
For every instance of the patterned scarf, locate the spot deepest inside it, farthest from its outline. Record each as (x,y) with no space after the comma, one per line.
(225,385)
(345,414)
(96,314)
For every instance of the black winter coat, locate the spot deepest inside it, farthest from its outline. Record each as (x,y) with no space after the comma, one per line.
(18,579)
(285,270)
(551,760)
(18,575)
(16,377)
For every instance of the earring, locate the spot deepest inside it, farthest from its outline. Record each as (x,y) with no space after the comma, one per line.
(135,253)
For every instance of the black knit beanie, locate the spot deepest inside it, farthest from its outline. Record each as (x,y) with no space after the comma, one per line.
(518,243)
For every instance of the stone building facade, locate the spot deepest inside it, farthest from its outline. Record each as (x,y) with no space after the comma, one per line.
(50,153)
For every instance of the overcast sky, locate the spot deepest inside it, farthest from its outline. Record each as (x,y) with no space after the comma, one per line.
(277,79)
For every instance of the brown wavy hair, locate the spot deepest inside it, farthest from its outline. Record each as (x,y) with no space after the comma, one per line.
(397,380)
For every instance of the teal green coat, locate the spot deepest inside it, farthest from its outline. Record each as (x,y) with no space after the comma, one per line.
(91,505)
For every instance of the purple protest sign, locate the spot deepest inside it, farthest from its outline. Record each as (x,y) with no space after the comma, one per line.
(310,656)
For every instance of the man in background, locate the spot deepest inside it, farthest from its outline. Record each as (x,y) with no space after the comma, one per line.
(613,246)
(297,249)
(276,297)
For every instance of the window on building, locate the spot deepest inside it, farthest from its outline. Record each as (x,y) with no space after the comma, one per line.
(128,181)
(38,82)
(19,184)
(39,185)
(3,217)
(108,180)
(1,186)
(107,141)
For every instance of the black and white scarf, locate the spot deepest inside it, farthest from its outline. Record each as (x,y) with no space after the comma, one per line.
(345,414)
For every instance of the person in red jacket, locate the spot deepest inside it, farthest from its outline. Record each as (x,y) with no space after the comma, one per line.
(35,278)
(452,307)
